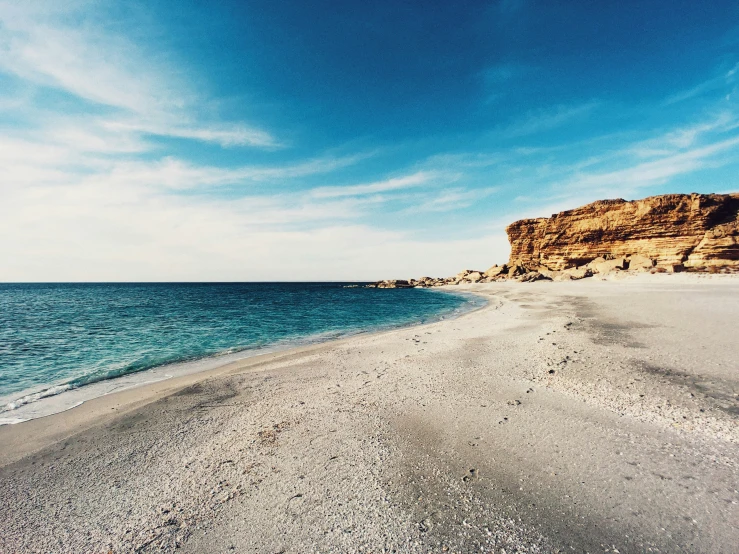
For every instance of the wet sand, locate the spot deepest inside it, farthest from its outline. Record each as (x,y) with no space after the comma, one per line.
(592,416)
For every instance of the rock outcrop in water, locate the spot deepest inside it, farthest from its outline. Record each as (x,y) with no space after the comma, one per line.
(674,231)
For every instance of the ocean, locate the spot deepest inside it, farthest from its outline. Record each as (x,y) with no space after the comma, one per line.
(61,344)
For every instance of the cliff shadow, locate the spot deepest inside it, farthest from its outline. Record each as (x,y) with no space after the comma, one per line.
(721,391)
(604,330)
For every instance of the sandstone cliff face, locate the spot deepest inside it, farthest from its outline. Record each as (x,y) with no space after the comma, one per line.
(697,231)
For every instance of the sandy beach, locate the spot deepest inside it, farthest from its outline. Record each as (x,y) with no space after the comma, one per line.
(588,416)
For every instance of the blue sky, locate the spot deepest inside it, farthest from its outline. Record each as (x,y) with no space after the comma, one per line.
(296,140)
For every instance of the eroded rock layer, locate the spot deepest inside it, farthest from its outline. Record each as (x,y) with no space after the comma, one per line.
(695,231)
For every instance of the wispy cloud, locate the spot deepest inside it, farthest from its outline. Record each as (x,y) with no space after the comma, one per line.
(226,135)
(397,183)
(511,6)
(502,73)
(57,47)
(95,65)
(719,82)
(176,174)
(658,171)
(36,163)
(680,139)
(548,119)
(452,199)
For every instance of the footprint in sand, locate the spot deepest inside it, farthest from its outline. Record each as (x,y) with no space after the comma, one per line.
(470,476)
(293,502)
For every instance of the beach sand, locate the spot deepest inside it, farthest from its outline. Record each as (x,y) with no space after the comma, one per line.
(591,416)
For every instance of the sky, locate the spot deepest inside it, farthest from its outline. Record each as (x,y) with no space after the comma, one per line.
(300,140)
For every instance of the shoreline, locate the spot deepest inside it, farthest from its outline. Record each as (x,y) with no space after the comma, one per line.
(30,438)
(560,416)
(75,396)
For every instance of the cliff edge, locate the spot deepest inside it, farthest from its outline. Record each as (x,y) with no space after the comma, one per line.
(692,231)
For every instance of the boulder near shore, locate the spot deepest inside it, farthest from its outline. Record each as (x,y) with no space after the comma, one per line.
(668,233)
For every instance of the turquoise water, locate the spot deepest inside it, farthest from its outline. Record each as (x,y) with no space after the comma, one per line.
(57,337)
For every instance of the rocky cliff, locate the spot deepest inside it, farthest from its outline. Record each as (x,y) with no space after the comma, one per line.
(675,231)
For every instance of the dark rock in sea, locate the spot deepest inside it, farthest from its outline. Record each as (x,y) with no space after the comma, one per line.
(392,284)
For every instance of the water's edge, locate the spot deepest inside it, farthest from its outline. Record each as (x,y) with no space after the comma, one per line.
(62,396)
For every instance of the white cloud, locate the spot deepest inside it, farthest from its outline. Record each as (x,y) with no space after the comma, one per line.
(655,172)
(88,59)
(99,231)
(547,119)
(176,174)
(89,63)
(720,81)
(499,78)
(415,180)
(225,135)
(468,160)
(685,137)
(452,199)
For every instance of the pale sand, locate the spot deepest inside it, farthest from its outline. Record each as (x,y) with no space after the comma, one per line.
(449,436)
